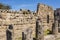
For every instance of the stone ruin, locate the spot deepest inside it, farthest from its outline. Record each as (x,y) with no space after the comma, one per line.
(46,13)
(23,19)
(9,32)
(27,34)
(39,30)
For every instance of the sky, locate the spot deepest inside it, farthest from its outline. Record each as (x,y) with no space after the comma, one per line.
(30,4)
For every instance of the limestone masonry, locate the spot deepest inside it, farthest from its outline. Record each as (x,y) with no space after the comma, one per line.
(23,19)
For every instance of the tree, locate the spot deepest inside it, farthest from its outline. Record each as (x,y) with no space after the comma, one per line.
(5,7)
(1,5)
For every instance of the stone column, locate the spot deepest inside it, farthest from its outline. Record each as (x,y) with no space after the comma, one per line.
(39,30)
(59,28)
(55,27)
(27,34)
(9,33)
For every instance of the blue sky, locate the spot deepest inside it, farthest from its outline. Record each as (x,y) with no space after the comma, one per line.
(30,4)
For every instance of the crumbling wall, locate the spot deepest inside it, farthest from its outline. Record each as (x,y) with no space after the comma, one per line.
(24,19)
(46,13)
(20,21)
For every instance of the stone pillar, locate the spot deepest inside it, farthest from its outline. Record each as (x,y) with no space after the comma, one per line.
(9,33)
(39,30)
(27,34)
(55,27)
(59,28)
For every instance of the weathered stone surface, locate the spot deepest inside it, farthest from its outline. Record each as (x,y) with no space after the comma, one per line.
(43,12)
(27,34)
(39,30)
(9,33)
(57,17)
(24,19)
(55,27)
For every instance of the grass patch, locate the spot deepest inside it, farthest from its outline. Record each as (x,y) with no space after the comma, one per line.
(46,32)
(20,38)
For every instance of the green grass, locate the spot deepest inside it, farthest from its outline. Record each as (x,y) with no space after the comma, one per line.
(46,32)
(20,38)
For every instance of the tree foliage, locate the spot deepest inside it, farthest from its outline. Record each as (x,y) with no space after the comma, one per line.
(6,7)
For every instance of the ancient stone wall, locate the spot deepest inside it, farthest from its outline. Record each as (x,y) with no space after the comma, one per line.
(46,13)
(24,19)
(20,21)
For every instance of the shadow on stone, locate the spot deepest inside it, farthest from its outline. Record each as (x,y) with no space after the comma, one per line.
(10,27)
(34,38)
